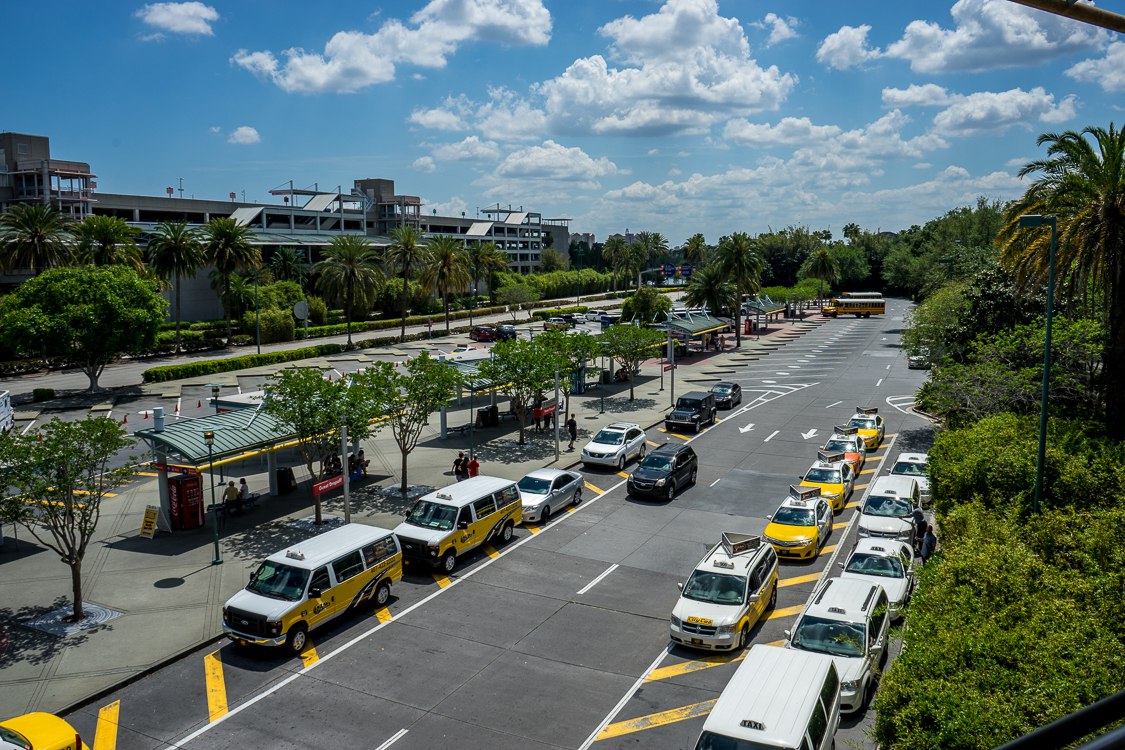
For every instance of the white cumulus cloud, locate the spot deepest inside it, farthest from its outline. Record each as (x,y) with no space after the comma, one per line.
(790,131)
(780,28)
(179,18)
(996,111)
(437,118)
(424,164)
(553,161)
(1108,72)
(847,48)
(243,135)
(926,95)
(470,149)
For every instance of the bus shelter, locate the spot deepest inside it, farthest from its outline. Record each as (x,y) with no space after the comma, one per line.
(693,327)
(762,307)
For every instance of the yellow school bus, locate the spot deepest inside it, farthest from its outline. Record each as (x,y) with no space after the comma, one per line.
(311,582)
(859,304)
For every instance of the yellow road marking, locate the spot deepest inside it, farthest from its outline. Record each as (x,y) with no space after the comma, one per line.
(532,528)
(105,736)
(695,665)
(216,686)
(571,509)
(861,486)
(827,548)
(623,474)
(654,445)
(795,580)
(839,525)
(868,471)
(889,435)
(442,581)
(786,612)
(309,656)
(146,474)
(490,551)
(592,488)
(852,504)
(671,716)
(383,614)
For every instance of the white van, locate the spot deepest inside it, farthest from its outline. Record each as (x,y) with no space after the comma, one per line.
(778,698)
(7,413)
(888,511)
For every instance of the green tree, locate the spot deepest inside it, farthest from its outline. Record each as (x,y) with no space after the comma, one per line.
(572,351)
(287,264)
(485,260)
(630,261)
(107,241)
(349,271)
(552,260)
(446,270)
(514,297)
(175,251)
(822,266)
(742,261)
(630,346)
(695,251)
(407,251)
(83,317)
(936,326)
(227,247)
(711,288)
(522,369)
(784,252)
(63,472)
(35,236)
(1082,183)
(613,248)
(647,305)
(854,269)
(655,247)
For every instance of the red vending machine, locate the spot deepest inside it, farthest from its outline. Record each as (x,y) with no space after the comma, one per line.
(185,501)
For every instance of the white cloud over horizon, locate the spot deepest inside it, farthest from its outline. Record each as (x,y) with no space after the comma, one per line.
(243,135)
(178,18)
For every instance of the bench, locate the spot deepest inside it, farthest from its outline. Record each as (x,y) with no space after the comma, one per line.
(461,429)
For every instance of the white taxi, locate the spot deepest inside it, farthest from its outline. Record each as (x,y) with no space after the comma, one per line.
(614,445)
(887,562)
(914,465)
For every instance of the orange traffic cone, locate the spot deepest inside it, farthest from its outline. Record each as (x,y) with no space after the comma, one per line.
(177,408)
(125,420)
(198,404)
(144,414)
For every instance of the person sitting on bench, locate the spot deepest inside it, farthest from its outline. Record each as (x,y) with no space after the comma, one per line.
(231,499)
(245,496)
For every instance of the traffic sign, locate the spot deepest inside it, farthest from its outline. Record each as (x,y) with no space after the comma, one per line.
(669,367)
(328,484)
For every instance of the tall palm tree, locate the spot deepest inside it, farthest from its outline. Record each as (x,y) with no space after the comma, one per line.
(1082,183)
(446,270)
(741,260)
(655,246)
(631,261)
(227,246)
(350,271)
(108,241)
(485,259)
(823,267)
(406,251)
(710,287)
(287,264)
(175,251)
(35,236)
(613,249)
(695,250)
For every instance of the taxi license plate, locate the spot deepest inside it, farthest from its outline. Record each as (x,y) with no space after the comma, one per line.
(697,641)
(243,642)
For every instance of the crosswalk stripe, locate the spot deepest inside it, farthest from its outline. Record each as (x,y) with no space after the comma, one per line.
(105,736)
(216,687)
(661,718)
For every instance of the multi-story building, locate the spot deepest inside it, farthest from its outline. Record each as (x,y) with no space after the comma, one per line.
(29,174)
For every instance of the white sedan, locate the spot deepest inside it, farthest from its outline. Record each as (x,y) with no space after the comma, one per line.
(545,491)
(614,445)
(887,562)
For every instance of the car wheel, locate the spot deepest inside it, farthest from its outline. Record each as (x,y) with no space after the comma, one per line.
(577,496)
(382,594)
(743,637)
(621,463)
(449,561)
(694,474)
(545,516)
(297,639)
(773,599)
(643,451)
(670,492)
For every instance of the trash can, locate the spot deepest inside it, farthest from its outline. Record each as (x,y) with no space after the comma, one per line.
(286,482)
(493,416)
(606,378)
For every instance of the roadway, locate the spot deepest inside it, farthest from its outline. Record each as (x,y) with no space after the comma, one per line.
(560,638)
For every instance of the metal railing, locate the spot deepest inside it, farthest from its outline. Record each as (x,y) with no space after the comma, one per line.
(1075,726)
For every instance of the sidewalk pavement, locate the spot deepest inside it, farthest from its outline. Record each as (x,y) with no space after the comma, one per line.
(169,594)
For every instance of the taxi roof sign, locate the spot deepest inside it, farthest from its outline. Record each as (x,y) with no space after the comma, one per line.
(829,458)
(735,543)
(845,429)
(804,493)
(867,410)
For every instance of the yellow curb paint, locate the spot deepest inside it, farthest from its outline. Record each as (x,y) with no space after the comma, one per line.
(442,581)
(695,665)
(216,687)
(839,525)
(796,580)
(145,474)
(651,721)
(592,488)
(532,528)
(105,736)
(623,474)
(786,612)
(309,655)
(383,614)
(868,471)
(490,551)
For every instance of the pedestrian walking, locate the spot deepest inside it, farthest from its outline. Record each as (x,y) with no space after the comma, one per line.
(572,430)
(474,467)
(929,543)
(461,467)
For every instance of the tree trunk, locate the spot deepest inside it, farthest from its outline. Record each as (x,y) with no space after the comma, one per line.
(445,301)
(348,314)
(1114,353)
(402,487)
(521,415)
(738,326)
(402,334)
(92,374)
(178,345)
(632,374)
(76,589)
(227,306)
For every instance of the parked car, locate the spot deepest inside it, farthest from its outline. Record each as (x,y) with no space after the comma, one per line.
(665,470)
(544,491)
(727,395)
(572,319)
(595,316)
(914,465)
(483,333)
(39,731)
(552,324)
(887,562)
(614,445)
(506,333)
(695,410)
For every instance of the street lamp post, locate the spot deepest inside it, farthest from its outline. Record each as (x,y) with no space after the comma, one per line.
(209,439)
(1037,220)
(257,315)
(346,465)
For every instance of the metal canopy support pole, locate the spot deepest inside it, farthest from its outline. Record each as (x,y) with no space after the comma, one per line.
(347,467)
(556,414)
(443,420)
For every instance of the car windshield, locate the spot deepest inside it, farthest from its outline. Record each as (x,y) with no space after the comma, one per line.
(687,403)
(863,423)
(794,516)
(712,741)
(715,588)
(279,581)
(910,469)
(721,389)
(823,476)
(875,565)
(891,507)
(839,446)
(659,463)
(534,485)
(432,515)
(610,437)
(829,636)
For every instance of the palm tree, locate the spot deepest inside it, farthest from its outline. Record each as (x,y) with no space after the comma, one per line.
(288,265)
(823,267)
(485,259)
(630,260)
(711,288)
(447,270)
(613,249)
(406,251)
(695,250)
(108,241)
(1082,184)
(350,271)
(741,260)
(35,236)
(228,248)
(175,251)
(655,246)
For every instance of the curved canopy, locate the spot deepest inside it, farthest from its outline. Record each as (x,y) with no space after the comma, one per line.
(235,432)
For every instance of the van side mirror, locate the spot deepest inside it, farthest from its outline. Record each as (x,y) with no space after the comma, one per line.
(840,564)
(680,585)
(462,525)
(315,592)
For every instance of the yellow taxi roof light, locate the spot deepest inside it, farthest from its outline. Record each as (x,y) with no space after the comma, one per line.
(829,458)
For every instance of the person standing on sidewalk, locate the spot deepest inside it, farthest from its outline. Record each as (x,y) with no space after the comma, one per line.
(929,543)
(572,430)
(474,467)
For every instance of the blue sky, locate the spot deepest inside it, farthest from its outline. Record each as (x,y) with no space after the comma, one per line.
(679,117)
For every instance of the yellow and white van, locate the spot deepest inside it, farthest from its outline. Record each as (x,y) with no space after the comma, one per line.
(311,582)
(456,519)
(726,594)
(778,698)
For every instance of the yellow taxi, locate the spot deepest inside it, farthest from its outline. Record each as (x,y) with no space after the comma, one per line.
(845,439)
(800,527)
(833,476)
(39,731)
(869,425)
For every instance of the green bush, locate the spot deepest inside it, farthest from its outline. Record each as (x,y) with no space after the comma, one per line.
(13,367)
(211,366)
(318,311)
(281,295)
(544,314)
(276,324)
(42,394)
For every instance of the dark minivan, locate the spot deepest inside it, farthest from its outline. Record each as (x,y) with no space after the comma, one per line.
(695,410)
(663,471)
(505,333)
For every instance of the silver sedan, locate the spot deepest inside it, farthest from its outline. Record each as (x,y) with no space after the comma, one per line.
(545,491)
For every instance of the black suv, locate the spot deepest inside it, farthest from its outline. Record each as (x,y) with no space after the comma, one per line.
(695,410)
(663,471)
(505,333)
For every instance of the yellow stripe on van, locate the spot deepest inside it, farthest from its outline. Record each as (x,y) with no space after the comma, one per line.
(671,716)
(216,686)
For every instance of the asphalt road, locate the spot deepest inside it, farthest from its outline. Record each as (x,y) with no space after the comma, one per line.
(506,653)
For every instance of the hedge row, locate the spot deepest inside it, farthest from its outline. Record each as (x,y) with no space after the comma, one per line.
(544,314)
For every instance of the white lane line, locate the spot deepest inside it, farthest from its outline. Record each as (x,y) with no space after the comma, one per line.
(627,697)
(771,436)
(888,367)
(597,580)
(28,428)
(836,403)
(397,736)
(715,482)
(879,383)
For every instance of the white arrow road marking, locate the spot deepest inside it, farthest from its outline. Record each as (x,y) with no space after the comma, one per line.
(771,436)
(902,403)
(809,434)
(747,428)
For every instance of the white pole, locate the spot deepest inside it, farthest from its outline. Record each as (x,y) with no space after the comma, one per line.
(556,414)
(347,469)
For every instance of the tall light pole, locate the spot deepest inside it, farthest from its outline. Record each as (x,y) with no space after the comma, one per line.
(209,439)
(346,465)
(257,315)
(1037,220)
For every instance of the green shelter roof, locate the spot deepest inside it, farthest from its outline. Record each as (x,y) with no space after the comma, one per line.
(235,432)
(694,325)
